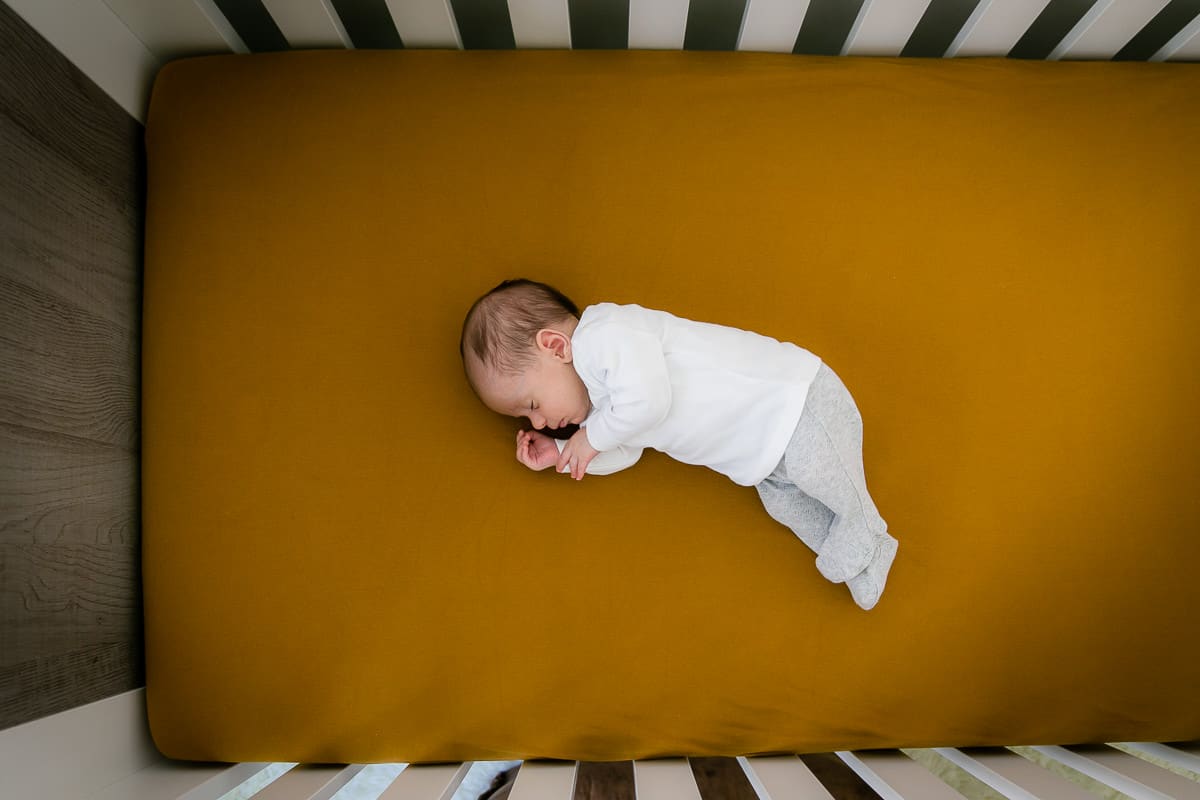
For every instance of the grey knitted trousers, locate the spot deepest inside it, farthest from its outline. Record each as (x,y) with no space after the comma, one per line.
(819,491)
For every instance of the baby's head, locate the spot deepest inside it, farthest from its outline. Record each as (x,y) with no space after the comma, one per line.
(516,350)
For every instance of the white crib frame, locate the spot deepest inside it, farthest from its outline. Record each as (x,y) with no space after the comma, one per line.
(103,751)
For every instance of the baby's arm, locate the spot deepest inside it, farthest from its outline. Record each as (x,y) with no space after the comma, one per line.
(538,451)
(608,461)
(631,367)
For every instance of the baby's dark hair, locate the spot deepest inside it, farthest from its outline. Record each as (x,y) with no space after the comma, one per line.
(500,327)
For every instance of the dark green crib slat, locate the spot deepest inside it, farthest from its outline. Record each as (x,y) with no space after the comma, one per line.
(369,24)
(1174,17)
(254,24)
(1054,23)
(826,27)
(484,24)
(939,26)
(599,24)
(714,24)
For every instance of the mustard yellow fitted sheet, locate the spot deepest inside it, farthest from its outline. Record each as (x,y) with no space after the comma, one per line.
(345,562)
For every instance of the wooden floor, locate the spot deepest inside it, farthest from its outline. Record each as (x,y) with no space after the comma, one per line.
(71,184)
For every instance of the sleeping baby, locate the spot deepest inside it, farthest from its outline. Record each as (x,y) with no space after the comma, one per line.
(764,413)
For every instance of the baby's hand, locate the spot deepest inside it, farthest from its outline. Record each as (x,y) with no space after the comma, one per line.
(577,454)
(536,450)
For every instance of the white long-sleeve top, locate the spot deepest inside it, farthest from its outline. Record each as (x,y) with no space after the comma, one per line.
(705,394)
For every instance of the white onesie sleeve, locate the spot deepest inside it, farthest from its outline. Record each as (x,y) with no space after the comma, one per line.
(607,462)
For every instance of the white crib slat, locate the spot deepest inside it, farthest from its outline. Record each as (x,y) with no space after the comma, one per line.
(304,782)
(869,776)
(1033,778)
(425,23)
(427,782)
(772,25)
(1152,775)
(229,779)
(783,778)
(307,23)
(1110,29)
(337,781)
(993,779)
(1184,46)
(665,779)
(906,777)
(1178,761)
(883,29)
(540,23)
(999,26)
(657,24)
(537,781)
(1098,772)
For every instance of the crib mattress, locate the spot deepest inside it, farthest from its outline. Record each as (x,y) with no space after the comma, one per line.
(344,562)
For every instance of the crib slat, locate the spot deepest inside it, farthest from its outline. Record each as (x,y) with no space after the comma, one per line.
(335,783)
(1178,761)
(1151,775)
(540,23)
(998,27)
(772,26)
(837,776)
(424,24)
(233,776)
(1184,46)
(305,25)
(869,776)
(984,773)
(1029,777)
(657,24)
(904,776)
(665,779)
(882,29)
(426,782)
(306,781)
(544,781)
(1105,34)
(1054,755)
(783,778)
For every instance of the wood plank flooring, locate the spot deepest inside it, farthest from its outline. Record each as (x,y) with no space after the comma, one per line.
(71,208)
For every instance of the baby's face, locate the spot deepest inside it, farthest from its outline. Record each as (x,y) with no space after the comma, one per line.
(550,392)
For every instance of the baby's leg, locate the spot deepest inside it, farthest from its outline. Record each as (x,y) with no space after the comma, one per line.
(824,460)
(806,517)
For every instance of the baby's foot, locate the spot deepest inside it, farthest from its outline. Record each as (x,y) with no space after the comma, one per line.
(867,587)
(846,553)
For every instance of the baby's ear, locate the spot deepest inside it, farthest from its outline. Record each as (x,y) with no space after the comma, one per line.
(554,341)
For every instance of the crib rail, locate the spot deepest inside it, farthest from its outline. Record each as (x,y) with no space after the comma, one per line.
(1139,770)
(103,751)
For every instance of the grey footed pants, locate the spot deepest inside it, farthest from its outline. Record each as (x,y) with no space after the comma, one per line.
(819,491)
